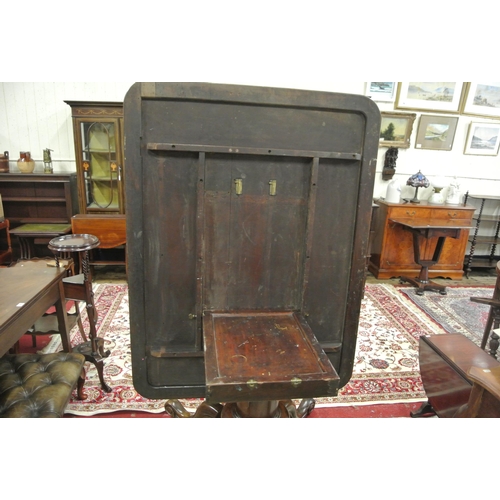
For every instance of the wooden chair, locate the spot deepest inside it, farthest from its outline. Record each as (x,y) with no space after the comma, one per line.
(77,288)
(6,254)
(493,321)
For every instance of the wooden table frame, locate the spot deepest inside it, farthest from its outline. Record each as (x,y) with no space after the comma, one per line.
(426,229)
(29,234)
(109,228)
(29,289)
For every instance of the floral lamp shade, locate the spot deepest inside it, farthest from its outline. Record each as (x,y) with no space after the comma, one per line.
(417,180)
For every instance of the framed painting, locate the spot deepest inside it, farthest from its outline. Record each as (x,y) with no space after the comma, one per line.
(436,132)
(381,91)
(445,97)
(483,99)
(396,129)
(483,139)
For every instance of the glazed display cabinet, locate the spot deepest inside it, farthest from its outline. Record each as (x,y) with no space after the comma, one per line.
(98,135)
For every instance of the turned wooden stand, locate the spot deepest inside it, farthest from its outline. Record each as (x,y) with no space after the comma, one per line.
(79,287)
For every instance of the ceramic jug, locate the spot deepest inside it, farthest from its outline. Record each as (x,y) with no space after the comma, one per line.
(393,192)
(454,195)
(4,162)
(436,198)
(25,164)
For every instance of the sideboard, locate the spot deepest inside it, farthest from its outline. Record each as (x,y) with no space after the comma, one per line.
(392,253)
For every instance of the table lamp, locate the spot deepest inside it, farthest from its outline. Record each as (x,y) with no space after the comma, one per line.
(417,180)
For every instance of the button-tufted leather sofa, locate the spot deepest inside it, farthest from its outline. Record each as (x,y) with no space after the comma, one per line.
(39,385)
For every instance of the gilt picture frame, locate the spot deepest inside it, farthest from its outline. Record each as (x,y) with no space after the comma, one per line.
(483,139)
(436,132)
(482,99)
(442,97)
(396,129)
(381,91)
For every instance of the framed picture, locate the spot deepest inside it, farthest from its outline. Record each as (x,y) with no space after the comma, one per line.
(445,97)
(436,132)
(483,139)
(395,129)
(483,99)
(381,91)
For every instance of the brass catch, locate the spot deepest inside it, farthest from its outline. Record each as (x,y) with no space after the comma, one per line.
(239,185)
(272,187)
(252,384)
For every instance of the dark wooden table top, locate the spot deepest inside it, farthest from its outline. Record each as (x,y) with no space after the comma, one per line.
(21,288)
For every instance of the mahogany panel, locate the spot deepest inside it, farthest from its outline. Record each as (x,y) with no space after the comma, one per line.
(111,229)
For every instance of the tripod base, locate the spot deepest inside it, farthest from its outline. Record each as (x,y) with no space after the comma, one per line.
(95,356)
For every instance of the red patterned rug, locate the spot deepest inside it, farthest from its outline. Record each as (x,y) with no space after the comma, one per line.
(386,366)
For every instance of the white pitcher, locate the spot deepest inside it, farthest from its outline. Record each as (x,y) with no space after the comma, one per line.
(393,192)
(454,196)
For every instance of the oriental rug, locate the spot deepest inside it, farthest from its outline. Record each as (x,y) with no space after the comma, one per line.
(386,368)
(455,312)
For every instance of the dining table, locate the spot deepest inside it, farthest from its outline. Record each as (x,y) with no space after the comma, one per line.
(28,290)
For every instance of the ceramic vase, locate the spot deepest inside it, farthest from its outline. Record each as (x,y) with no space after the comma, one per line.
(25,164)
(393,192)
(4,162)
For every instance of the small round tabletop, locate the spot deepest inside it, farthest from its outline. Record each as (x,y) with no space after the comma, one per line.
(74,243)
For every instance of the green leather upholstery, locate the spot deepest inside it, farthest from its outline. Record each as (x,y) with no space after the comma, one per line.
(38,385)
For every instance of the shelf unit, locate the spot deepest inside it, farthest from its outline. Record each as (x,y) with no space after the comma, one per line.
(38,202)
(98,137)
(39,198)
(486,232)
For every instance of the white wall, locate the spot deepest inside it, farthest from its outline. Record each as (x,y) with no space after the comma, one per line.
(34,116)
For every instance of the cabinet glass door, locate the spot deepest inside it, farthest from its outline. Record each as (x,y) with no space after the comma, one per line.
(101,166)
